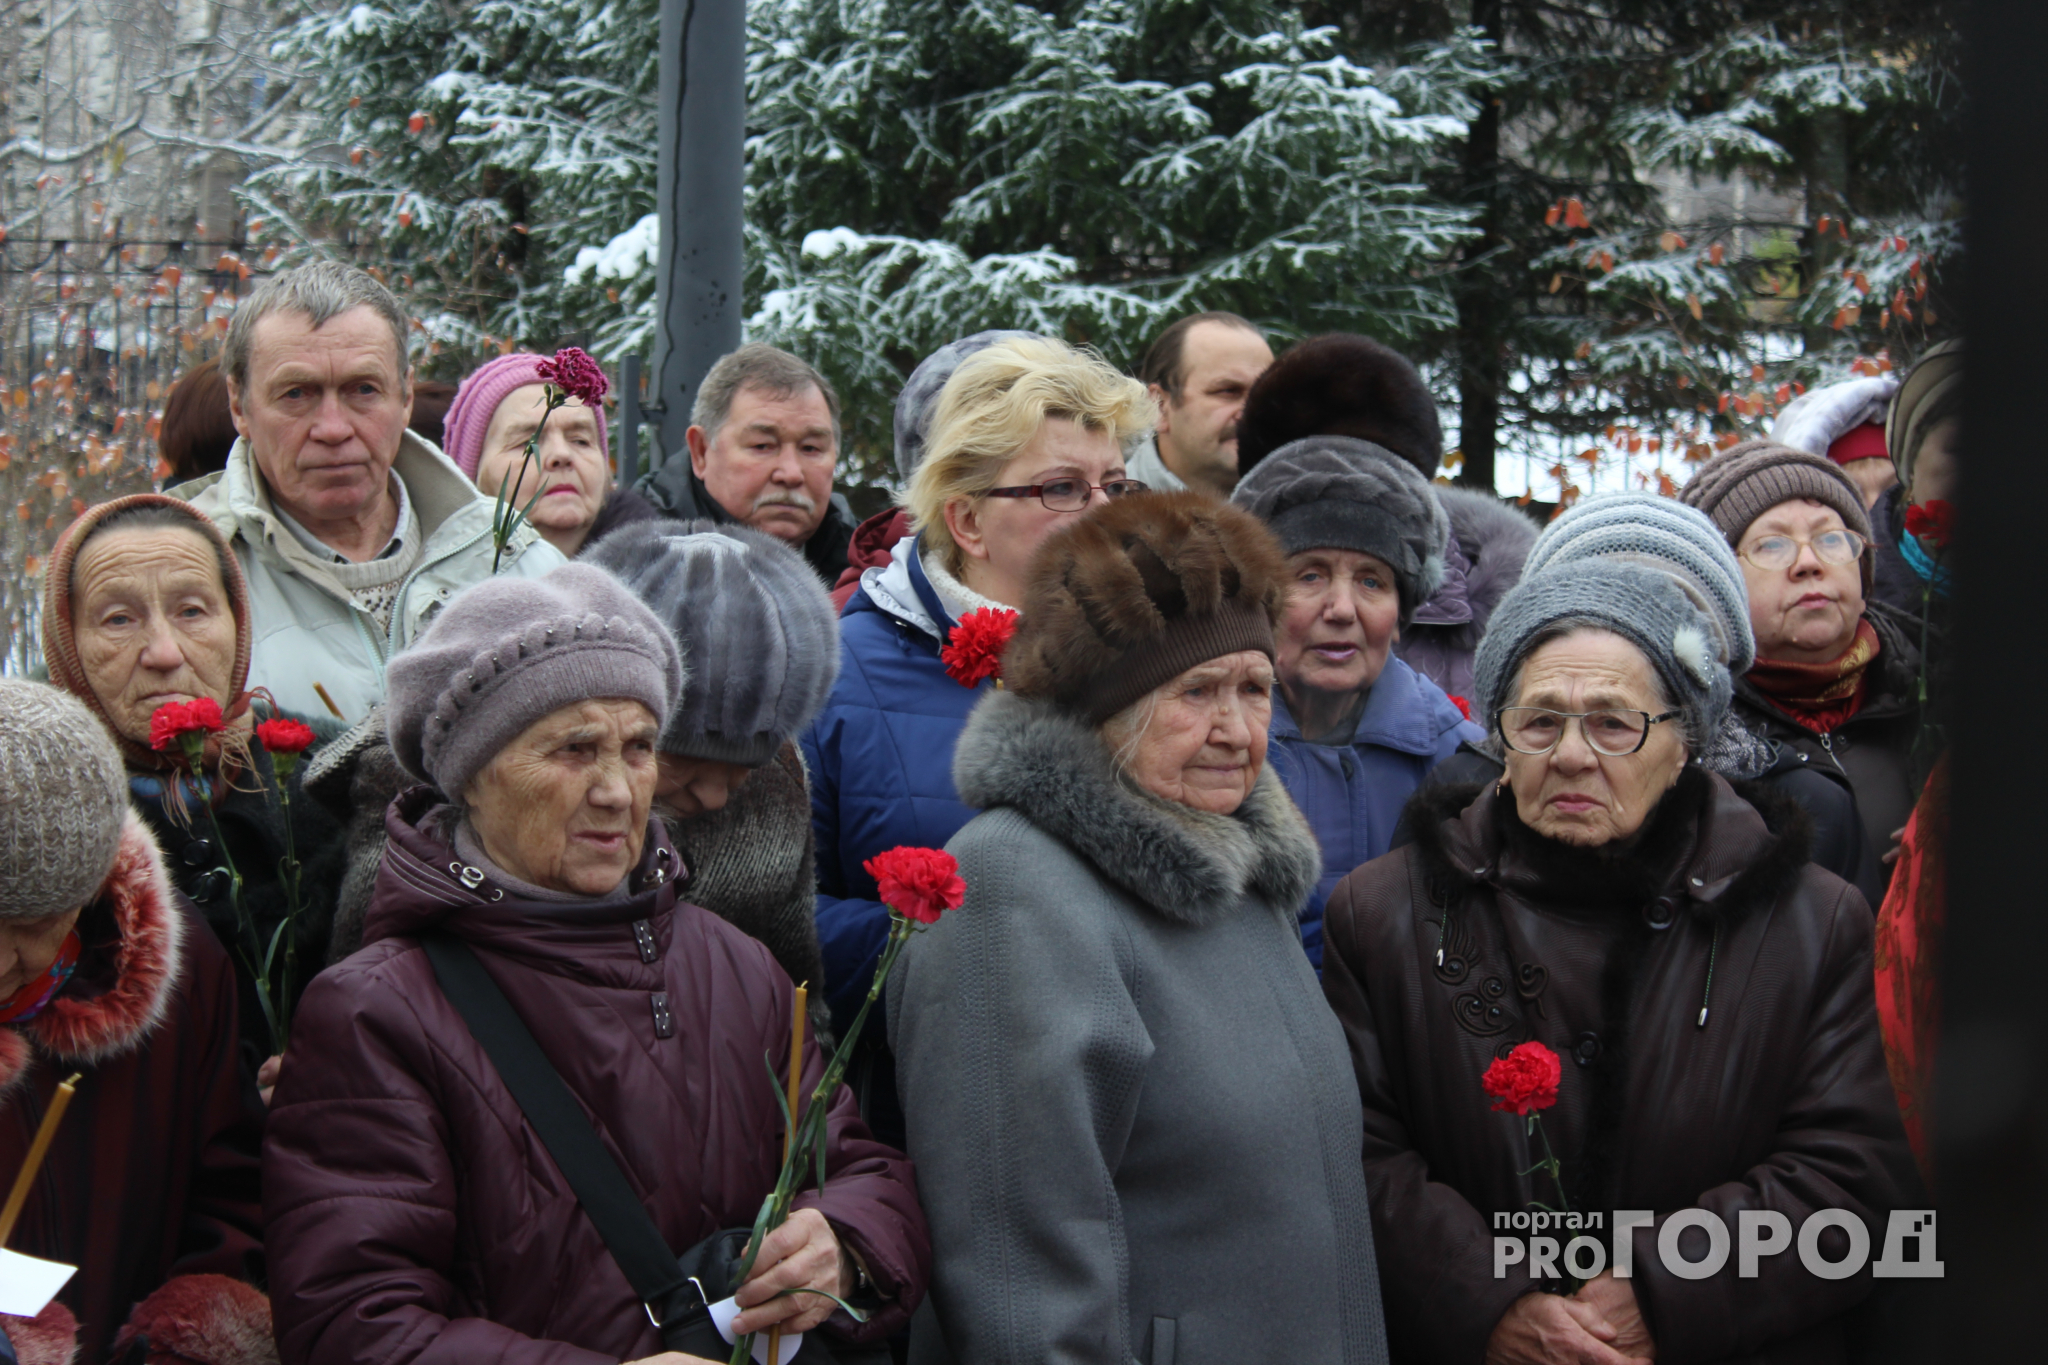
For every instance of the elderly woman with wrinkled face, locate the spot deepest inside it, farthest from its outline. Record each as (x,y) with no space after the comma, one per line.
(1707,988)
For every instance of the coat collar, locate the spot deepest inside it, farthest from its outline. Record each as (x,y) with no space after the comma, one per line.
(1188,865)
(1397,714)
(123,985)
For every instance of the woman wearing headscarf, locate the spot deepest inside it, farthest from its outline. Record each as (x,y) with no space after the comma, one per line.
(1028,434)
(1355,730)
(416,1215)
(1134,1136)
(1707,988)
(109,979)
(144,604)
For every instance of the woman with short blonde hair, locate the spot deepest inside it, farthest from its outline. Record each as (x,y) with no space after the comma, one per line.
(1025,434)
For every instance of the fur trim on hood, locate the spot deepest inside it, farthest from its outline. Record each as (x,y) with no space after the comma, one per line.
(1188,865)
(48,1338)
(210,1319)
(82,1028)
(1496,540)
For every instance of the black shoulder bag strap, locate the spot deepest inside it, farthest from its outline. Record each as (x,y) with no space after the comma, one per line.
(601,1187)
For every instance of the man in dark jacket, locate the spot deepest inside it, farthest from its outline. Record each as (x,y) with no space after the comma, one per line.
(763,450)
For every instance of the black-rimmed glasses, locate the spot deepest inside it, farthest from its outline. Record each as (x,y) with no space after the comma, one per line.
(1613,732)
(1069,495)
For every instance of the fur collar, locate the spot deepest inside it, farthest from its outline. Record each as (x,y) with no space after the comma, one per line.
(1191,866)
(1495,538)
(85,1027)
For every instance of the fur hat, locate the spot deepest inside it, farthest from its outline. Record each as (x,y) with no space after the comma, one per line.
(476,402)
(758,624)
(65,794)
(508,651)
(919,400)
(1341,385)
(1642,605)
(1927,396)
(1338,493)
(1745,481)
(1138,591)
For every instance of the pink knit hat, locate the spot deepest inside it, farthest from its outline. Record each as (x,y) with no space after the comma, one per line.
(469,416)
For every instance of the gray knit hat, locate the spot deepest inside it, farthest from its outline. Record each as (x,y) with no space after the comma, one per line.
(1644,606)
(1341,493)
(1658,533)
(920,396)
(65,796)
(508,651)
(754,617)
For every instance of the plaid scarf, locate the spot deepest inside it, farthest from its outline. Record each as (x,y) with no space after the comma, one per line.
(1820,697)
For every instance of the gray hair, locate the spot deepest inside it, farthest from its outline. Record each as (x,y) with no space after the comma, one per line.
(321,290)
(1125,730)
(757,365)
(1691,716)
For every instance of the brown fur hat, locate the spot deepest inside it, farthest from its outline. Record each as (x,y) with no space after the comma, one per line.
(1137,592)
(1341,384)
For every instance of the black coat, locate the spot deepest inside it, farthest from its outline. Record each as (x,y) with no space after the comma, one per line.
(1443,955)
(676,491)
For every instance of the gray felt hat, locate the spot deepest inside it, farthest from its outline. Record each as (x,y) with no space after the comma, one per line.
(1341,493)
(1644,606)
(64,795)
(759,626)
(920,396)
(508,651)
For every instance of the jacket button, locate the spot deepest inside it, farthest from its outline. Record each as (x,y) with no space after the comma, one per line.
(1587,1049)
(1349,770)
(664,1022)
(1659,913)
(199,853)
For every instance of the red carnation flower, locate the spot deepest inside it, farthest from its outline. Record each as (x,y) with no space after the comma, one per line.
(1464,707)
(1933,522)
(1525,1080)
(576,374)
(171,722)
(285,736)
(976,650)
(918,883)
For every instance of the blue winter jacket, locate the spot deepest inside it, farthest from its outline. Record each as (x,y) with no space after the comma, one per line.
(1352,794)
(881,760)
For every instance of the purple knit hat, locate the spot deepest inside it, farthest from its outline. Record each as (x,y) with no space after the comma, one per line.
(469,416)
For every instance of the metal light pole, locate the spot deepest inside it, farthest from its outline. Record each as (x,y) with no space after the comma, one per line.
(703,125)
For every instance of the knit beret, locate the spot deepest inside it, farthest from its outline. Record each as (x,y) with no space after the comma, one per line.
(476,402)
(1642,605)
(1136,592)
(1661,534)
(1745,481)
(1925,396)
(757,623)
(64,795)
(1341,385)
(919,400)
(1339,493)
(508,651)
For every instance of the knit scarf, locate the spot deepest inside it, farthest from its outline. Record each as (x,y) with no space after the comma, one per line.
(1819,696)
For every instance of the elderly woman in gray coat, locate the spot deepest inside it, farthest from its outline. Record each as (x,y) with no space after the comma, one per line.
(1125,1096)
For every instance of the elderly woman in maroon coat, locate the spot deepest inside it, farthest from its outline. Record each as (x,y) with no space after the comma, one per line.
(418,1215)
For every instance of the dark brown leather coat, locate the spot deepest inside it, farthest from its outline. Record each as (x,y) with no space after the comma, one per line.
(1778,1100)
(420,1216)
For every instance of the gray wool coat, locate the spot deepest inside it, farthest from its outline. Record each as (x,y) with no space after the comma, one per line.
(1135,1132)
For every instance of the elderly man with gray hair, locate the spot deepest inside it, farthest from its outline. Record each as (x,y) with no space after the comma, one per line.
(764,449)
(351,530)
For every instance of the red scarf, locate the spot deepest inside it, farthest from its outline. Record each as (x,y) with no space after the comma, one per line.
(1820,697)
(26,1003)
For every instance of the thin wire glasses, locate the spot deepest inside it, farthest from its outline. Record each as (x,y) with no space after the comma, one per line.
(1615,733)
(1069,495)
(1829,547)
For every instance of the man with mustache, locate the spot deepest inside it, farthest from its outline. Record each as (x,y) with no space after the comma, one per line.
(351,530)
(1198,372)
(764,447)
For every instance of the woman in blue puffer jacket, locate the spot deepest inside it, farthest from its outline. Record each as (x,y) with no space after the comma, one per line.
(1355,730)
(1026,433)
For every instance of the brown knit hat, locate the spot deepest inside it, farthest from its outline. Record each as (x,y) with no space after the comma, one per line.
(1137,592)
(60,647)
(1745,481)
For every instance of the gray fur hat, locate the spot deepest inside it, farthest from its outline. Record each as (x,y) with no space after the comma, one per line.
(1644,606)
(1666,535)
(65,795)
(1341,493)
(920,396)
(508,651)
(757,622)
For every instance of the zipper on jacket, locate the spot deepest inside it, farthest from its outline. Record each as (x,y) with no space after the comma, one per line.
(1827,741)
(405,588)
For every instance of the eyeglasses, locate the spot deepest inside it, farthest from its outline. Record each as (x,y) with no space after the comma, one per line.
(1615,733)
(1069,495)
(1830,547)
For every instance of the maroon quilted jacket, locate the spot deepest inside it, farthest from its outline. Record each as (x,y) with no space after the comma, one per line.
(416,1215)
